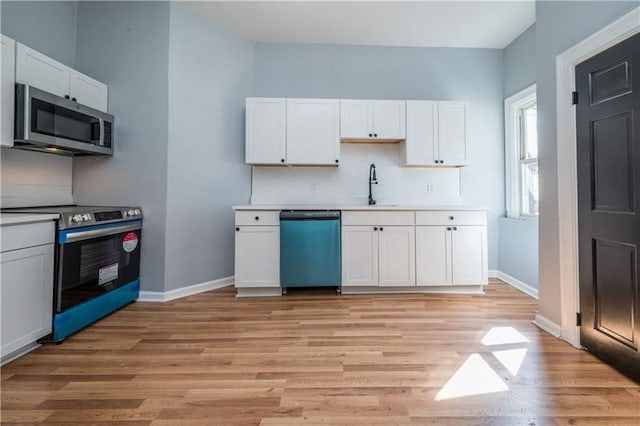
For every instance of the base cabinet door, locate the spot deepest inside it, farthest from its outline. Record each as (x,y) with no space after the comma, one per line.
(257,256)
(359,256)
(26,296)
(396,256)
(433,255)
(469,255)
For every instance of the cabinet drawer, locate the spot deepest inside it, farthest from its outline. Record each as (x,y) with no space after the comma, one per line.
(377,218)
(258,217)
(454,217)
(13,237)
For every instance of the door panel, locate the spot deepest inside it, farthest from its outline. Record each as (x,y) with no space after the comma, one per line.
(257,256)
(433,255)
(422,133)
(608,147)
(359,256)
(469,251)
(265,131)
(397,256)
(355,119)
(389,119)
(313,131)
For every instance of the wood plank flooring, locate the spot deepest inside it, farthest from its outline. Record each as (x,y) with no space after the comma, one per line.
(313,357)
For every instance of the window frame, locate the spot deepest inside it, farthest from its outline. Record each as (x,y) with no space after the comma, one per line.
(513,151)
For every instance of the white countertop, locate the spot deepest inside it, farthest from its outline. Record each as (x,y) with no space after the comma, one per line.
(18,218)
(357,207)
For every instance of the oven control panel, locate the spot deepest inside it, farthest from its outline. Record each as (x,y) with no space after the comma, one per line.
(98,216)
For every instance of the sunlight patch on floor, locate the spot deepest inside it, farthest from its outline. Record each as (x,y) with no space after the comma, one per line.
(503,336)
(512,359)
(474,377)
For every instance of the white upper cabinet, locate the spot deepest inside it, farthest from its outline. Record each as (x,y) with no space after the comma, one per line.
(38,70)
(7,92)
(265,123)
(371,120)
(436,133)
(292,131)
(313,127)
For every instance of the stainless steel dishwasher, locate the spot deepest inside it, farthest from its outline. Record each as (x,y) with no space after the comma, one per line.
(310,249)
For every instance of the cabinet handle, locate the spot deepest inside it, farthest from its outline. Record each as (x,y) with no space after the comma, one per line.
(74,99)
(375,135)
(370,134)
(375,228)
(441,161)
(381,228)
(257,217)
(450,217)
(66,96)
(436,161)
(237,229)
(282,160)
(448,228)
(337,161)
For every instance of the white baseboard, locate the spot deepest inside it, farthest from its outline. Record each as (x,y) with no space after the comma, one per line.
(159,296)
(516,283)
(547,325)
(493,273)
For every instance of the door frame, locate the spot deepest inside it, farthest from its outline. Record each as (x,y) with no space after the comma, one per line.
(566,62)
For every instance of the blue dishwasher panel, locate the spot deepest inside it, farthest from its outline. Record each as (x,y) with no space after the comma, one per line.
(310,253)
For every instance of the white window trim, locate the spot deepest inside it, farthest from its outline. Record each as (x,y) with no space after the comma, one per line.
(512,149)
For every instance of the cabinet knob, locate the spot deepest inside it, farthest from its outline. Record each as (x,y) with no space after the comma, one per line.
(74,99)
(237,229)
(282,160)
(257,217)
(375,135)
(436,161)
(370,134)
(441,161)
(66,96)
(448,228)
(455,228)
(375,228)
(381,228)
(337,161)
(450,217)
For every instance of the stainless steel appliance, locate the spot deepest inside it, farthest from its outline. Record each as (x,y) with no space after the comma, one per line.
(49,123)
(310,249)
(97,264)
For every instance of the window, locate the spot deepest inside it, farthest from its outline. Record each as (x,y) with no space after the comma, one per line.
(521,154)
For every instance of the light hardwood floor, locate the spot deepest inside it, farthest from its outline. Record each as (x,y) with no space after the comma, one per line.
(314,357)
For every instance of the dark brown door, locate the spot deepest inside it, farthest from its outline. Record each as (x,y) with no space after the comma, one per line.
(608,131)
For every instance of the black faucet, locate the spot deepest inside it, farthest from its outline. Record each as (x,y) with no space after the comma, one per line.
(372,180)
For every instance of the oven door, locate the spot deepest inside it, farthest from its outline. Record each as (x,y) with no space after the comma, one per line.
(95,260)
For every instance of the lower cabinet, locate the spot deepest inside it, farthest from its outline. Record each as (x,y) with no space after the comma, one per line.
(257,257)
(378,256)
(451,255)
(26,292)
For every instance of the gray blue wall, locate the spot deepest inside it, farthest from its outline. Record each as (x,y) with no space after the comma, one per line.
(210,74)
(476,75)
(559,26)
(518,239)
(47,26)
(126,45)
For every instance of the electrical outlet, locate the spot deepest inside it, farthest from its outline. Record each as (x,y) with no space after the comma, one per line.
(313,187)
(429,188)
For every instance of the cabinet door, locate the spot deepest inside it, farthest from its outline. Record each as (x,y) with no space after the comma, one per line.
(359,256)
(257,262)
(452,132)
(469,255)
(422,133)
(40,71)
(389,119)
(433,255)
(7,92)
(356,119)
(313,131)
(397,256)
(88,91)
(265,134)
(26,296)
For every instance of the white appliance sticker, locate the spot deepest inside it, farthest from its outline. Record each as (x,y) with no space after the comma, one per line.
(130,242)
(107,274)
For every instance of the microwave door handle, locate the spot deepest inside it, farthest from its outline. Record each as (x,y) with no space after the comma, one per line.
(72,237)
(101,141)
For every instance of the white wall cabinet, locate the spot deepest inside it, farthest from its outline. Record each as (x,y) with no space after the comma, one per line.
(7,92)
(378,255)
(372,120)
(45,73)
(257,250)
(26,292)
(292,131)
(436,133)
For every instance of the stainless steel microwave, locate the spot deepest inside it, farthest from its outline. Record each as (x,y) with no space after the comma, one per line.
(50,123)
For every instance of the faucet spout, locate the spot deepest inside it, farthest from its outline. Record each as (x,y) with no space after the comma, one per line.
(372,181)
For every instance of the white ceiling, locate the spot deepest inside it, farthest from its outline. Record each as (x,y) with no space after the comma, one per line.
(483,24)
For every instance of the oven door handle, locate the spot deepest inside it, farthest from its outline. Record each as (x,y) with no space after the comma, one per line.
(72,237)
